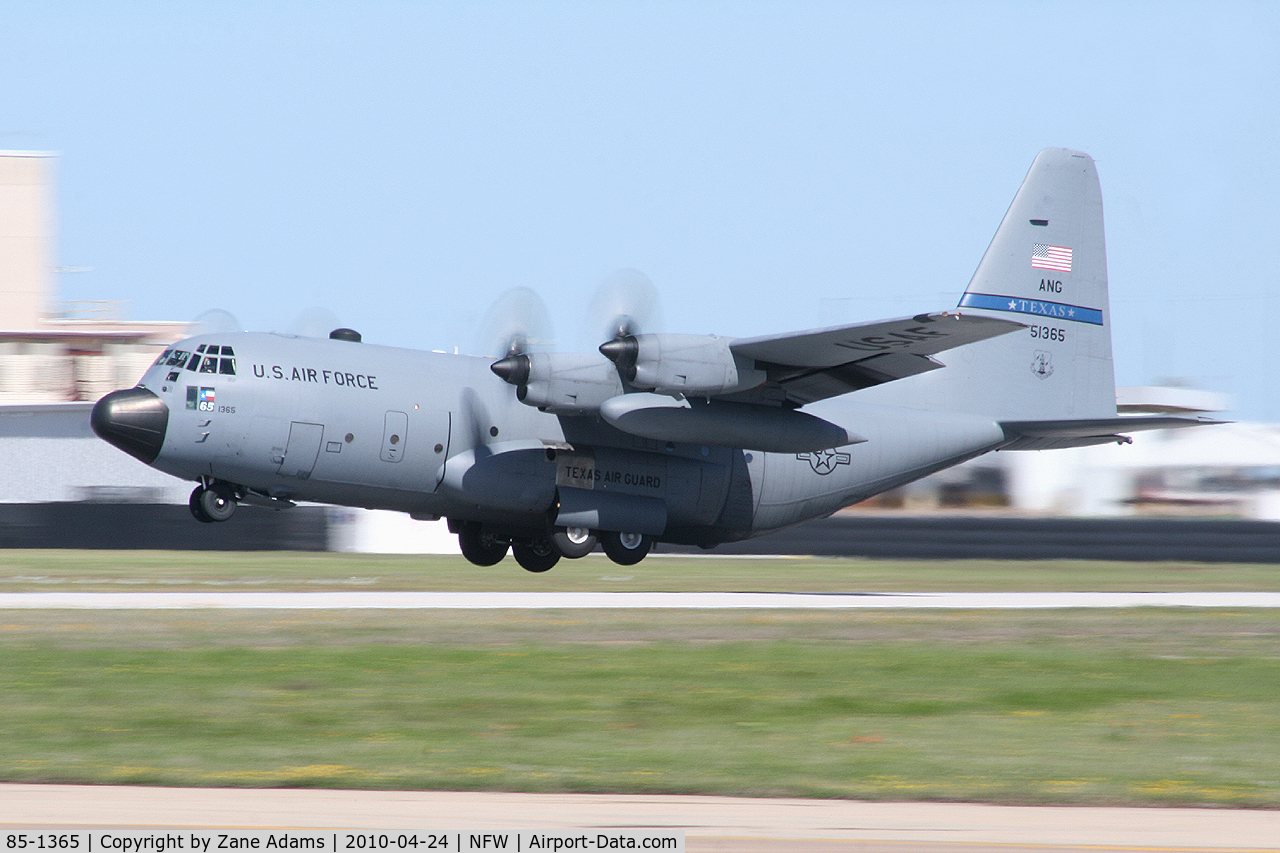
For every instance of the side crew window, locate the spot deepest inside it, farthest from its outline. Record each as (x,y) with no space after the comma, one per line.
(179,358)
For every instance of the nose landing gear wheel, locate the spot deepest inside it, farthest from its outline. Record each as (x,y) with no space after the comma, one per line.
(573,542)
(538,557)
(626,549)
(215,503)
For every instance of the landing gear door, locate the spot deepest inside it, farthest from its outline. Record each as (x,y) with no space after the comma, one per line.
(304,447)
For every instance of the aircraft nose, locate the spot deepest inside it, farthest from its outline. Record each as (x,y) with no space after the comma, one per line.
(133,420)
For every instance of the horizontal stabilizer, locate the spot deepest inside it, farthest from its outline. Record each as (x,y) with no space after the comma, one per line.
(1054,435)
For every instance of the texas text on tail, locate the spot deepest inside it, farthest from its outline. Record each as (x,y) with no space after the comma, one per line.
(692,439)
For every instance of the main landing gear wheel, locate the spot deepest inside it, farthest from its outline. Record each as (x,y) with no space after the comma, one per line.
(479,547)
(214,503)
(538,557)
(626,549)
(573,542)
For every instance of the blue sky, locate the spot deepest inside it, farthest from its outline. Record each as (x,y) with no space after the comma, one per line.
(770,166)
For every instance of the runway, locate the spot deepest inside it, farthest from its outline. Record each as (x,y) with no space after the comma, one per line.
(709,823)
(628,600)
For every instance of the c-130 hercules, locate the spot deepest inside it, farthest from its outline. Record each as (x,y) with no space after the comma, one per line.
(693,439)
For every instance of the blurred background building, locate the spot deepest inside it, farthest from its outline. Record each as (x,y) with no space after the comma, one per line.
(54,352)
(56,359)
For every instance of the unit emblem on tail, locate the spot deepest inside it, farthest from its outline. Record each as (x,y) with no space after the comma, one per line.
(1042,364)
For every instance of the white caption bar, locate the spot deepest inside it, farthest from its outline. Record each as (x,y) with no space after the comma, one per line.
(330,841)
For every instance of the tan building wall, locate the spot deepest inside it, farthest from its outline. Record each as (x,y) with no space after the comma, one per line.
(26,229)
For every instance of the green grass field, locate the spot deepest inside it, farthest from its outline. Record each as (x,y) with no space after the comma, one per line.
(1148,706)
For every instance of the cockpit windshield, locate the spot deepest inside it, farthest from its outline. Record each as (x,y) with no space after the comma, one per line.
(178,358)
(208,358)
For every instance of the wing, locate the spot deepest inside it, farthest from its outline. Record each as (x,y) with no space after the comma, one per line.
(806,366)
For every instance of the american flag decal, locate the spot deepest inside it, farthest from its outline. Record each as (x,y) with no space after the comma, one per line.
(1050,257)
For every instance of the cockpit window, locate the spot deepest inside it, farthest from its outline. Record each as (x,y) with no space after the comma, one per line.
(212,358)
(178,358)
(164,357)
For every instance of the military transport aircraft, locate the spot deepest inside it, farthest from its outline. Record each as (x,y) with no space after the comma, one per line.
(694,439)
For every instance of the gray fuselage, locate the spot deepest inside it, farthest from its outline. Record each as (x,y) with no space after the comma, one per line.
(436,434)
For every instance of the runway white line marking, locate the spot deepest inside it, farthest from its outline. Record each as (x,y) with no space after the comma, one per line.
(628,600)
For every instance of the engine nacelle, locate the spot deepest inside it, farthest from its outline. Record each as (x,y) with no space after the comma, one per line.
(560,382)
(682,365)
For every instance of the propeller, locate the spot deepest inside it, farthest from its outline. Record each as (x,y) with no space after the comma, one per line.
(314,322)
(627,304)
(475,418)
(623,351)
(514,326)
(516,323)
(215,321)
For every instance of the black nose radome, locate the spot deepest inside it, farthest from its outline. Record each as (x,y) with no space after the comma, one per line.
(133,420)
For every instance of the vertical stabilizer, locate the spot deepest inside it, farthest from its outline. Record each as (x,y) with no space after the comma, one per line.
(1046,267)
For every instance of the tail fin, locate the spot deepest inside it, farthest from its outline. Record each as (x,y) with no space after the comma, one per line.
(1046,267)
